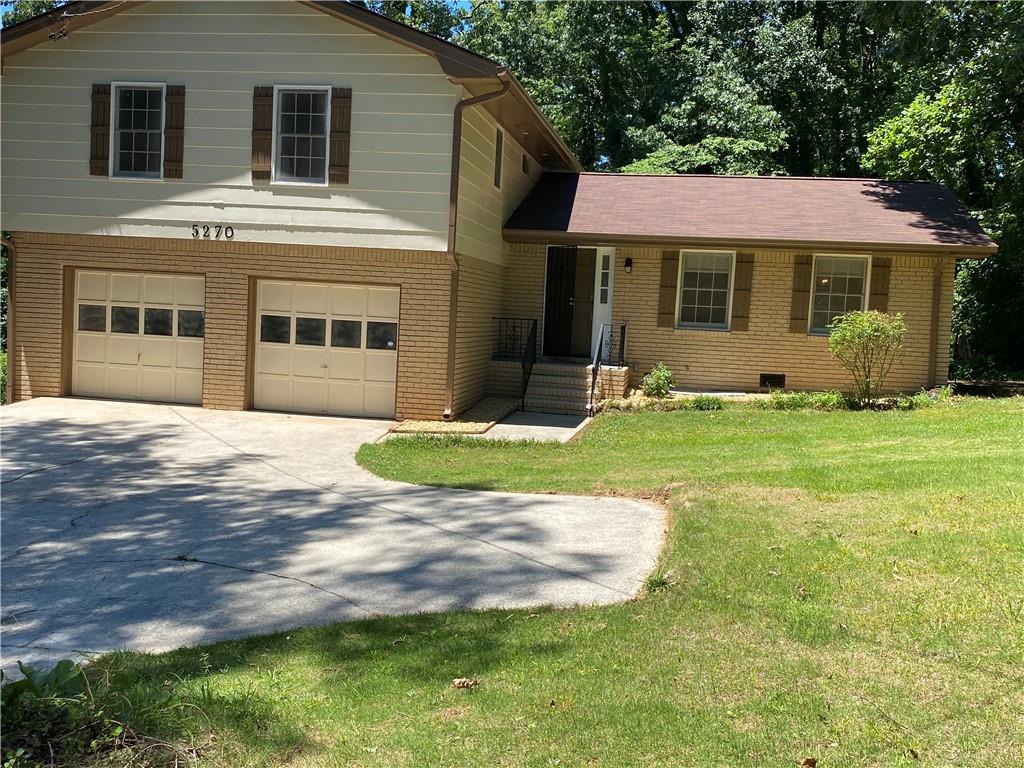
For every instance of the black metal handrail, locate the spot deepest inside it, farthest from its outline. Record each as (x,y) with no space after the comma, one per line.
(529,358)
(595,368)
(513,335)
(610,352)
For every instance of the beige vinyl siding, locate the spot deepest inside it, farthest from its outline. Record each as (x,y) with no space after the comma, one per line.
(483,208)
(401,128)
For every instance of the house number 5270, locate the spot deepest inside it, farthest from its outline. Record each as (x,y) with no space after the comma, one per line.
(212,232)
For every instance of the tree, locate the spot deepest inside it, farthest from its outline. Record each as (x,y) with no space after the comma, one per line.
(25,9)
(867,344)
(968,133)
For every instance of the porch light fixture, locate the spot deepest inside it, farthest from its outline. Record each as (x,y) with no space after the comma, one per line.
(628,264)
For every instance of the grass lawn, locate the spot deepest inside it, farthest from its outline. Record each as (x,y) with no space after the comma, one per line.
(844,586)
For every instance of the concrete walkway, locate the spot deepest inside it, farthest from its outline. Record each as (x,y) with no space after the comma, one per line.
(527,425)
(151,527)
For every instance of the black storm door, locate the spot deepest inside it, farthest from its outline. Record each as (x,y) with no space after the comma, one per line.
(558,300)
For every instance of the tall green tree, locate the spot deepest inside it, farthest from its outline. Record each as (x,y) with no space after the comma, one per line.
(965,128)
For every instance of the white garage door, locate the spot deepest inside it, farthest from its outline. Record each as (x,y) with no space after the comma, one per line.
(330,349)
(138,336)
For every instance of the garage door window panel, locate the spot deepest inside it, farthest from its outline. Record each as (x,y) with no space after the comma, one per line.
(124,320)
(310,331)
(381,335)
(191,323)
(158,322)
(346,334)
(92,317)
(275,329)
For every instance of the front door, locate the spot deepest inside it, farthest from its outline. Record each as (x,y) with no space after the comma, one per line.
(569,301)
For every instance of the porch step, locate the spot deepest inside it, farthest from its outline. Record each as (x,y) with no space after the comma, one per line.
(568,407)
(559,369)
(558,388)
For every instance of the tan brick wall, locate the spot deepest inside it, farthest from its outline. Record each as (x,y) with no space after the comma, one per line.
(733,360)
(480,289)
(524,284)
(422,275)
(611,381)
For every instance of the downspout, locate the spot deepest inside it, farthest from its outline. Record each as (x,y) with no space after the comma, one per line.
(453,216)
(9,395)
(933,350)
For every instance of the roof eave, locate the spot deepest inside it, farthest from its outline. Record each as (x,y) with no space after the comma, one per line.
(57,23)
(959,250)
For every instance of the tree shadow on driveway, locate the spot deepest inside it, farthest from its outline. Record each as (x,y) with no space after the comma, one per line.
(129,527)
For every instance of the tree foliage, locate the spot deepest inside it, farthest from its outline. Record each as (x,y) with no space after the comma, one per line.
(20,10)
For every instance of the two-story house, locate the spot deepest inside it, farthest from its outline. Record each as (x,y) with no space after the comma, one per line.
(301,205)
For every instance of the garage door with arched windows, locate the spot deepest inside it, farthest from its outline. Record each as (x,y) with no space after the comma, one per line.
(326,348)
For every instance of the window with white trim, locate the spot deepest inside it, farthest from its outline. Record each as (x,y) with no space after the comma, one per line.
(839,285)
(300,145)
(705,287)
(138,131)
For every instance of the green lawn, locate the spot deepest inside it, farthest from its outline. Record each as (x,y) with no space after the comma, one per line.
(845,586)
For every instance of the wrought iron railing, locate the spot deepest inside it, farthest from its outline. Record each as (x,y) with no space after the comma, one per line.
(512,335)
(517,339)
(529,358)
(610,350)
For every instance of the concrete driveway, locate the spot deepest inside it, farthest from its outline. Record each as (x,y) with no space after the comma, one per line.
(150,527)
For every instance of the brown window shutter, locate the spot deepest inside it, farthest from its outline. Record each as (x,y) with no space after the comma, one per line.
(341,134)
(742,283)
(801,293)
(99,143)
(262,131)
(174,131)
(878,296)
(667,289)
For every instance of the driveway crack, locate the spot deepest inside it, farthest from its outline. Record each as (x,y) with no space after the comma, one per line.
(43,469)
(349,600)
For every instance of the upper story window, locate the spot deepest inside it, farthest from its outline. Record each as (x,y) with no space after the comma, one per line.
(838,285)
(138,136)
(499,148)
(302,127)
(705,288)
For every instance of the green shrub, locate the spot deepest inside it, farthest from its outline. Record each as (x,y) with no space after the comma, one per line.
(831,400)
(657,382)
(638,402)
(923,399)
(61,716)
(705,403)
(867,344)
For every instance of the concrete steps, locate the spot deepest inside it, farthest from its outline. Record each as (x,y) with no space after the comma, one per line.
(558,388)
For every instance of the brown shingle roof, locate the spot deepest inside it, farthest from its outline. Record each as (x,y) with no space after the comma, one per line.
(749,209)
